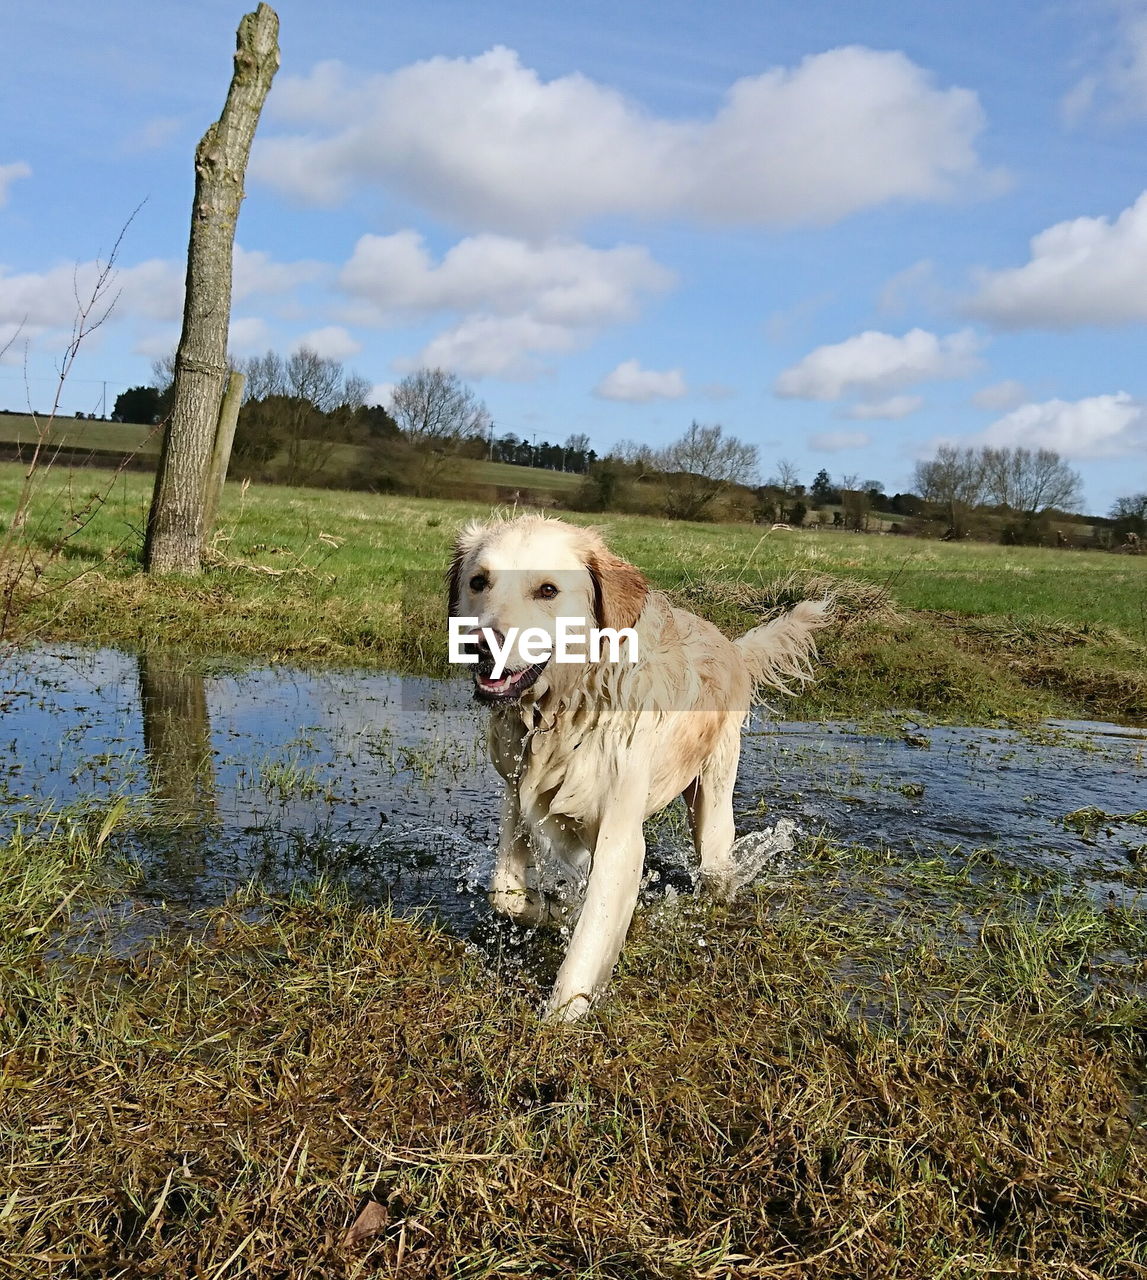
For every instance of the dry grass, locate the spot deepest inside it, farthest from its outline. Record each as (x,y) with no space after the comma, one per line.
(872,1069)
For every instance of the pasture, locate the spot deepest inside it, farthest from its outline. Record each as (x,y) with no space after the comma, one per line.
(967,632)
(912,1049)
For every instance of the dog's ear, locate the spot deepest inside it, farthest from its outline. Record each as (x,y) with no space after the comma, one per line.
(619,589)
(454,577)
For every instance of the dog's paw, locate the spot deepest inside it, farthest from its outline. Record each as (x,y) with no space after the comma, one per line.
(560,1010)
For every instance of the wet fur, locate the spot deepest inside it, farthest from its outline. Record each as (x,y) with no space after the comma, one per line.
(593,749)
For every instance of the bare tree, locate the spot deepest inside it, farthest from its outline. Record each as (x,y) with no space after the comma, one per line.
(1028,481)
(1132,507)
(641,457)
(1130,516)
(265,375)
(163,372)
(786,477)
(300,407)
(438,413)
(955,478)
(175,524)
(701,465)
(855,502)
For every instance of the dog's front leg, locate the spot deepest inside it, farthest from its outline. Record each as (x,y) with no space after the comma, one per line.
(510,891)
(610,899)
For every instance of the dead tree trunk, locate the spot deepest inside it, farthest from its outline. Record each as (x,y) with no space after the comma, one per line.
(221,454)
(175,528)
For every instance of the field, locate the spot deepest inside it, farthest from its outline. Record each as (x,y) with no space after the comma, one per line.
(911,1064)
(966,632)
(123,437)
(81,433)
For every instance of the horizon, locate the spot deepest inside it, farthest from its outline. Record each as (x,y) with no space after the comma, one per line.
(847,235)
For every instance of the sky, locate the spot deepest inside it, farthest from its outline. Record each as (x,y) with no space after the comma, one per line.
(846,231)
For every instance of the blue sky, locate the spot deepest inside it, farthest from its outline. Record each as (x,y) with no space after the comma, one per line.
(844,231)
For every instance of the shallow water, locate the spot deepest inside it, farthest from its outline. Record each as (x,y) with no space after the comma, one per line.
(379,781)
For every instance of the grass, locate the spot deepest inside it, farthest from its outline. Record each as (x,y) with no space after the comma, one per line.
(125,437)
(974,631)
(874,1068)
(876,1065)
(81,433)
(510,476)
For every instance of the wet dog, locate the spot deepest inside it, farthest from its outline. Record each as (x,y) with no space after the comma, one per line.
(590,747)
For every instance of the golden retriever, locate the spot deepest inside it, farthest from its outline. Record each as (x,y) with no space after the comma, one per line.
(590,749)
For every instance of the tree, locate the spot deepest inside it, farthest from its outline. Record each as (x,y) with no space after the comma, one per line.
(302,407)
(1028,481)
(175,524)
(138,404)
(1130,516)
(855,502)
(955,479)
(700,466)
(787,476)
(821,490)
(640,458)
(575,453)
(601,486)
(437,413)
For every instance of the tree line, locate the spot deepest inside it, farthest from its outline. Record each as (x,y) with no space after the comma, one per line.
(297,410)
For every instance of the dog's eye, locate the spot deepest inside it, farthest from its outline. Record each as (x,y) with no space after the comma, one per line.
(478,582)
(547,591)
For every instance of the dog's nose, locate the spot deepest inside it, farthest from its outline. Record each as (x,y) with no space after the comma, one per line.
(484,640)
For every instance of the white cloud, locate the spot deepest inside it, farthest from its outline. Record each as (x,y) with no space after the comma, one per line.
(557,282)
(839,441)
(486,142)
(151,289)
(380,393)
(332,342)
(872,364)
(48,299)
(1120,82)
(1001,396)
(495,346)
(915,285)
(635,385)
(892,408)
(1107,426)
(1084,271)
(157,342)
(256,272)
(514,299)
(10,173)
(247,336)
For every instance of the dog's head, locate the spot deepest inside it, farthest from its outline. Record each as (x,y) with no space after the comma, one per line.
(540,576)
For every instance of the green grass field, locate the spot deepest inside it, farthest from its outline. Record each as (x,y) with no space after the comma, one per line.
(904,1066)
(76,433)
(972,631)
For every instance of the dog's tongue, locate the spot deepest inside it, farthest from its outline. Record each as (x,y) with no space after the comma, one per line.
(504,682)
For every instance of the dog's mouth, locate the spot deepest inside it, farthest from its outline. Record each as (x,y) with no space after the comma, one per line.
(507,687)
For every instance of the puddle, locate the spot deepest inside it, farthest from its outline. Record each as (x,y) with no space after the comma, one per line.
(381,782)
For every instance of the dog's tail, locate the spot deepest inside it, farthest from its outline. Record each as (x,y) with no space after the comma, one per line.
(781,651)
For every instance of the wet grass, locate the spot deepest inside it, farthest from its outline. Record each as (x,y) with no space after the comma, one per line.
(972,632)
(875,1067)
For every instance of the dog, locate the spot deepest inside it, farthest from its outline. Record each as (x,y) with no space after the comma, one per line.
(589,749)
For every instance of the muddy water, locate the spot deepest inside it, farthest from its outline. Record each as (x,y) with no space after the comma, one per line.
(380,782)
